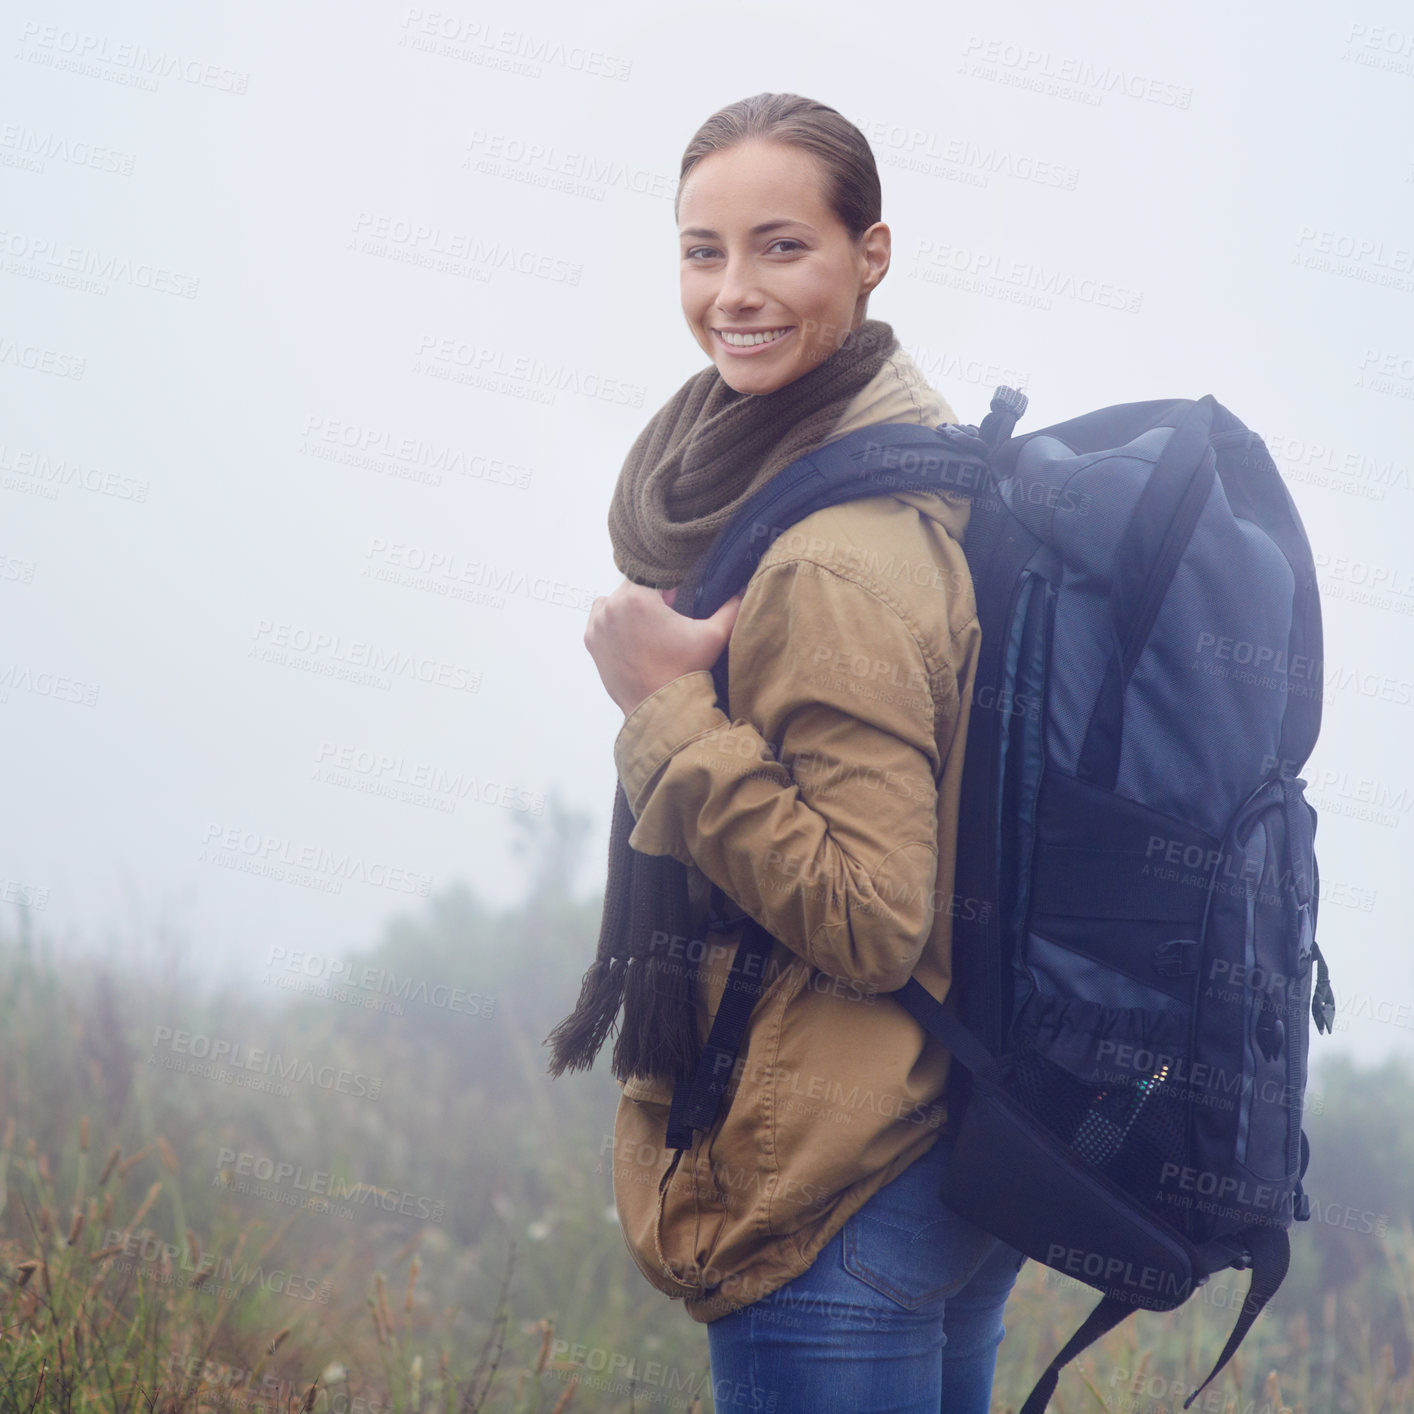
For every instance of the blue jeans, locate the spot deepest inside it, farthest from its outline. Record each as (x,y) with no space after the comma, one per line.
(901,1313)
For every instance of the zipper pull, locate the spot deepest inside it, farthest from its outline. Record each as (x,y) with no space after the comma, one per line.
(1322,999)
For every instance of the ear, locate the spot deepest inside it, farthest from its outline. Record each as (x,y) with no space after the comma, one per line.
(875,250)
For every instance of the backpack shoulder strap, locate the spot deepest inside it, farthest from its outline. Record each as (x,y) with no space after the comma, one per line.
(1270,1251)
(870,461)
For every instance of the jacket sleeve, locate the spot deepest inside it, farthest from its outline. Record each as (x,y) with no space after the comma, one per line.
(815,806)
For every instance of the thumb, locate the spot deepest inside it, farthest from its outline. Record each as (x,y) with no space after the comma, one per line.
(724,620)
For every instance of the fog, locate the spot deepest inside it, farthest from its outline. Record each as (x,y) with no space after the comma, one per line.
(324,330)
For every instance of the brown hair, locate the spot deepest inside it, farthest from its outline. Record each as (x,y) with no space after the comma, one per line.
(851,178)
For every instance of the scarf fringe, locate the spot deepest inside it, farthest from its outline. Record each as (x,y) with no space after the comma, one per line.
(581,1035)
(659,1033)
(648,990)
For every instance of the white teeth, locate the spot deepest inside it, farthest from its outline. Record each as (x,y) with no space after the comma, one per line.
(746,340)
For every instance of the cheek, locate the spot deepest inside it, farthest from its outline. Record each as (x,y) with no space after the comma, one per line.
(694,293)
(828,300)
(700,336)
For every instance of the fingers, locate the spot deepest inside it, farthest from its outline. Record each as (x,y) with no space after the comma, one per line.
(715,632)
(636,615)
(725,617)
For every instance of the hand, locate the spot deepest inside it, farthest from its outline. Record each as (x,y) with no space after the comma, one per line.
(639,641)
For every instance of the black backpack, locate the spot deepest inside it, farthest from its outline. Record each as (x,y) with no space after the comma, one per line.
(1133,966)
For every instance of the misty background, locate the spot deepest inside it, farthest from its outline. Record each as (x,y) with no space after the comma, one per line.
(324,330)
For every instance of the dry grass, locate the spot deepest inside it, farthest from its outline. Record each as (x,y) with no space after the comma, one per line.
(134,1276)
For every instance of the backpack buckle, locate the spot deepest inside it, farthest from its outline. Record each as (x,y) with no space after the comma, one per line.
(722,913)
(1177,957)
(1306,923)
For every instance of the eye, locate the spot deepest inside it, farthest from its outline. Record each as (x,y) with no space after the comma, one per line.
(705,251)
(789,241)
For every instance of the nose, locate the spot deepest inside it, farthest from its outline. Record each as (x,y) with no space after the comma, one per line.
(739,288)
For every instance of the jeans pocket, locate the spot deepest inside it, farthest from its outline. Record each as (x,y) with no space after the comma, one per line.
(915,1266)
(914,1258)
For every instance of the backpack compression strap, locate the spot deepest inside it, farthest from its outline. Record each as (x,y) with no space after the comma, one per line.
(944,1026)
(1145,560)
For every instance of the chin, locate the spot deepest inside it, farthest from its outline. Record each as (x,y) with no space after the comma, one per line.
(744,379)
(742,382)
(758,385)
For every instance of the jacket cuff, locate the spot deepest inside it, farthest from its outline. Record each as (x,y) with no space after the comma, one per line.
(660,726)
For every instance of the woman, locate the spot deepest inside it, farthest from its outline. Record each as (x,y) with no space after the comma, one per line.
(805,1225)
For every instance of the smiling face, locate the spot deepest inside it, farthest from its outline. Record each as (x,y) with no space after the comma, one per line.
(772,280)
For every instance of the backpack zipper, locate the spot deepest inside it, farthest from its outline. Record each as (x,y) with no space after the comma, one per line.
(998,928)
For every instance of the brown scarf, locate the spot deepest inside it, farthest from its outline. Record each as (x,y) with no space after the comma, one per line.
(699,459)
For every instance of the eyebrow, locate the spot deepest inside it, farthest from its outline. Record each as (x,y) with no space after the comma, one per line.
(701,232)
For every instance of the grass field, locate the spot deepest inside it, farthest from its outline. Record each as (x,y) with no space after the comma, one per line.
(272,1199)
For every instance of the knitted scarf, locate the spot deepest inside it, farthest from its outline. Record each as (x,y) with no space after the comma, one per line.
(699,459)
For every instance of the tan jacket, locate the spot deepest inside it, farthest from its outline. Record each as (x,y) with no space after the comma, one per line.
(826,807)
